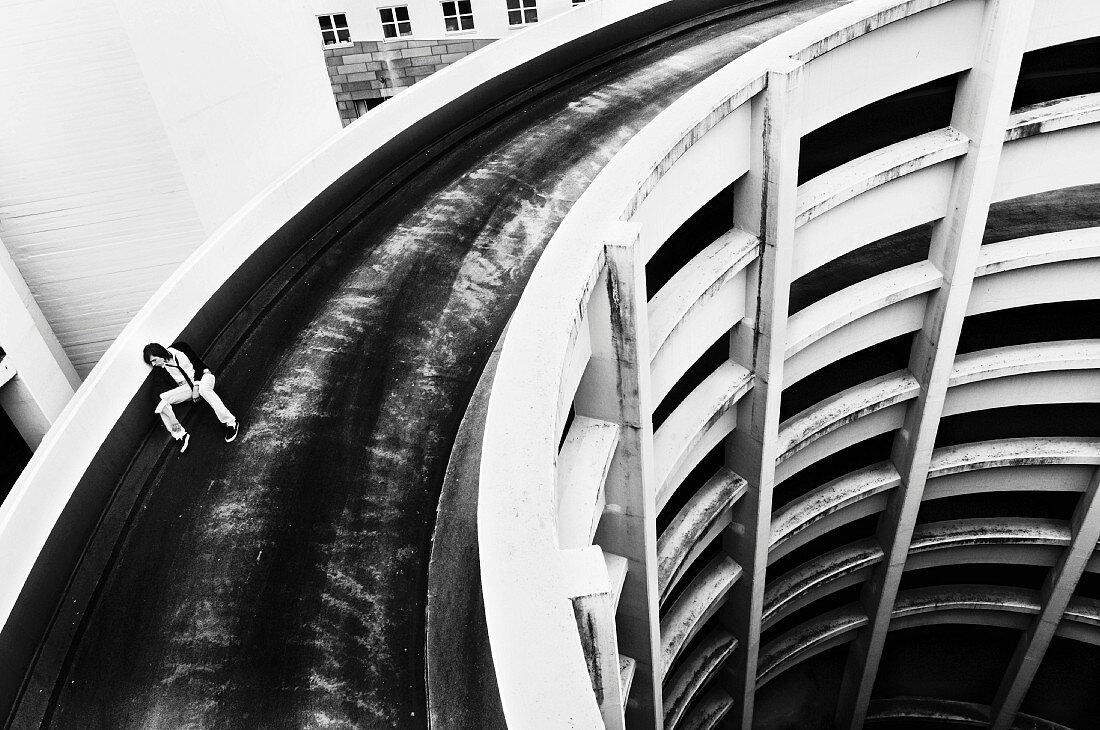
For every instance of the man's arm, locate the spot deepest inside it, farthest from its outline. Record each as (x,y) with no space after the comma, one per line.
(187,368)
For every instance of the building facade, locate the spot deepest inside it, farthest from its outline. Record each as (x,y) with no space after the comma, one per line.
(375,50)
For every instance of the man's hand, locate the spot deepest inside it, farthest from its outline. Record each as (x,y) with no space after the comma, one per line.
(195,393)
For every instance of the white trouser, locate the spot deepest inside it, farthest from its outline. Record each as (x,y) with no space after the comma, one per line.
(182,394)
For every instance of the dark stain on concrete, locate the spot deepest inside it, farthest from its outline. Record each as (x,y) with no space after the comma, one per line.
(462,688)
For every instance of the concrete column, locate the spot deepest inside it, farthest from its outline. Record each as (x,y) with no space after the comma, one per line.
(764,205)
(596,626)
(982,104)
(42,380)
(1057,591)
(616,388)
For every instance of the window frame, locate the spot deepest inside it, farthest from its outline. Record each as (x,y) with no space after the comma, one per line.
(527,11)
(395,22)
(458,15)
(334,29)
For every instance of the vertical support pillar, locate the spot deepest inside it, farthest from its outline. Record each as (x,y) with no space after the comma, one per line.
(44,380)
(616,388)
(982,105)
(764,204)
(1057,590)
(595,614)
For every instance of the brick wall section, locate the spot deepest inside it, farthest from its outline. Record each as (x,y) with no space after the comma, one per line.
(374,70)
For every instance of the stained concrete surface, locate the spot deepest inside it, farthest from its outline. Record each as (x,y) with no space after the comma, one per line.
(280,582)
(462,688)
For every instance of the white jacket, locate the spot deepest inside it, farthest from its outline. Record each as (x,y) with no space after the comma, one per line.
(181,369)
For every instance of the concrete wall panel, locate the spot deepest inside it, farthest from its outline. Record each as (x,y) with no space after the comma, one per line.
(873,215)
(1058,282)
(254,101)
(709,319)
(1063,21)
(706,168)
(928,45)
(891,321)
(858,429)
(1067,386)
(1050,161)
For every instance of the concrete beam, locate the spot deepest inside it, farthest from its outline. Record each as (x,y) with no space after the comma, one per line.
(697,425)
(937,710)
(695,671)
(1066,281)
(893,320)
(1045,248)
(1034,373)
(43,380)
(979,605)
(710,710)
(592,594)
(982,105)
(1072,111)
(697,306)
(1055,597)
(1038,465)
(583,463)
(700,600)
(596,626)
(1006,541)
(839,185)
(801,436)
(696,525)
(765,202)
(864,219)
(862,299)
(616,388)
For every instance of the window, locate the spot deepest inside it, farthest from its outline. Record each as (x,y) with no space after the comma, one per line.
(334,29)
(362,106)
(458,15)
(578,2)
(395,21)
(522,12)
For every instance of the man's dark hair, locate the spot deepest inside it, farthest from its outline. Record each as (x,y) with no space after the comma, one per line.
(153,349)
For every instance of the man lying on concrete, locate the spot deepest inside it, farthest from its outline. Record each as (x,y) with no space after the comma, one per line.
(194,380)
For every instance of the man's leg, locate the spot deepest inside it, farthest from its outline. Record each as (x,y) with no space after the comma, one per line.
(177,395)
(206,390)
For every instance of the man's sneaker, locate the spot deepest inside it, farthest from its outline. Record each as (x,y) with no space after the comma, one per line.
(183,442)
(231,432)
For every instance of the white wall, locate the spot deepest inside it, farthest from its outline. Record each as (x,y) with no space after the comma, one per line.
(241,90)
(89,185)
(44,380)
(131,131)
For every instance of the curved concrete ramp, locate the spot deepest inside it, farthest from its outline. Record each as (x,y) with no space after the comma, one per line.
(280,581)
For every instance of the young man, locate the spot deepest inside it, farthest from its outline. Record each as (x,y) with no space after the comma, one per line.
(193,380)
